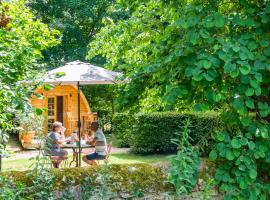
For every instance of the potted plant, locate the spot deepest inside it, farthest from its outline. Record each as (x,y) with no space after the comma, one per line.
(30,124)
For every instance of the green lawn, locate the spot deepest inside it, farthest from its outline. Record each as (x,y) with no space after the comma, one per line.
(117,158)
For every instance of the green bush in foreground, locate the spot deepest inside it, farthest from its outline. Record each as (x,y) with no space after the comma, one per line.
(152,132)
(184,170)
(124,177)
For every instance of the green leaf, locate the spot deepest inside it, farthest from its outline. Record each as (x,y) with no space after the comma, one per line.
(229,155)
(48,87)
(252,45)
(253,173)
(243,184)
(205,64)
(251,145)
(220,136)
(219,20)
(238,104)
(243,55)
(38,111)
(245,121)
(245,69)
(59,74)
(258,91)
(250,103)
(255,84)
(236,143)
(263,113)
(236,48)
(234,73)
(213,155)
(204,33)
(229,67)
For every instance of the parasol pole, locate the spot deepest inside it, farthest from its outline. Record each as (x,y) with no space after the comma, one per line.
(79,122)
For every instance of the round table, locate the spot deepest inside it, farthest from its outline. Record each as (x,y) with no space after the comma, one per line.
(75,149)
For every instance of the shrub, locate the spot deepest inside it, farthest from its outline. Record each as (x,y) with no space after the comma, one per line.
(117,178)
(184,170)
(153,132)
(122,129)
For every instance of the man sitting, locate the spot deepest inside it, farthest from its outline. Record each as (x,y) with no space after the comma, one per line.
(98,139)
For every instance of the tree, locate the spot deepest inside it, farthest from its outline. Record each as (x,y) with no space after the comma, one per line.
(211,53)
(22,39)
(78,22)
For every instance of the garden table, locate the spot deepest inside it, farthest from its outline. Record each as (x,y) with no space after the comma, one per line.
(75,148)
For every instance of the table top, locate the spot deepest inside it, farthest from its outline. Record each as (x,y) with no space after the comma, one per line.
(74,145)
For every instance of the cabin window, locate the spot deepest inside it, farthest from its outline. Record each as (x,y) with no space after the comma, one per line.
(51,112)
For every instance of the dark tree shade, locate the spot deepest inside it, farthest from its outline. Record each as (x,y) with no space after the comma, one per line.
(78,21)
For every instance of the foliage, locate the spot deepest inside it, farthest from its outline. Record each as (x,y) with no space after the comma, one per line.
(11,190)
(122,129)
(121,178)
(102,190)
(30,120)
(212,53)
(78,22)
(22,40)
(101,100)
(183,173)
(152,132)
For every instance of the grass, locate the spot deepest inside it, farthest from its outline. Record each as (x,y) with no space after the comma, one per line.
(10,164)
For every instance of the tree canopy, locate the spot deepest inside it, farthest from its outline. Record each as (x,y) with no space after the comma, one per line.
(78,22)
(209,52)
(22,38)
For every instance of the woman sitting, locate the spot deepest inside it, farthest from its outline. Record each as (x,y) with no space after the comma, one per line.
(55,138)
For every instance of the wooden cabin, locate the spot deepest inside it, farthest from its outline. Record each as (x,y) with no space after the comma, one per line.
(62,105)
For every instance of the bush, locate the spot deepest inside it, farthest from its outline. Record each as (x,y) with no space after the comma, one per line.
(116,178)
(122,129)
(152,132)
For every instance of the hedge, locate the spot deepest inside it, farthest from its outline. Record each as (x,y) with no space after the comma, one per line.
(152,132)
(123,125)
(122,178)
(126,180)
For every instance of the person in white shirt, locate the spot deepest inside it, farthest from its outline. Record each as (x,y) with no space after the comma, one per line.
(99,140)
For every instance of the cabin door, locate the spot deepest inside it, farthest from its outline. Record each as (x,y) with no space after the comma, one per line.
(60,109)
(55,110)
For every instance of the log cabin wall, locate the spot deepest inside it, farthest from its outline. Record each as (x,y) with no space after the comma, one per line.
(66,96)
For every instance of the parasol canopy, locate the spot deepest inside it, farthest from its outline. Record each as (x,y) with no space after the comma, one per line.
(85,73)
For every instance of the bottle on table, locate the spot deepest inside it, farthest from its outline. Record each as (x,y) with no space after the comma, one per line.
(72,138)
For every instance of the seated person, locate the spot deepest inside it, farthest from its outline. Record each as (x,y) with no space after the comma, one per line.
(99,140)
(55,138)
(62,132)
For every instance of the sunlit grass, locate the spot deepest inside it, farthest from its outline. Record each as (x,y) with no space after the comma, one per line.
(10,164)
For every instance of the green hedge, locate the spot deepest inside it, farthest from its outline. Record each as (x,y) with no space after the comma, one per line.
(120,178)
(123,125)
(152,132)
